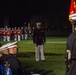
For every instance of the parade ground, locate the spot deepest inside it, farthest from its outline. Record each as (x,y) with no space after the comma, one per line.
(54,50)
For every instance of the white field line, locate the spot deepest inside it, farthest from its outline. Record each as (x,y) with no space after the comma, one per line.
(50,42)
(56,42)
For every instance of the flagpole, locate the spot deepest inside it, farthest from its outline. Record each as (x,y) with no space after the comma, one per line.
(72,26)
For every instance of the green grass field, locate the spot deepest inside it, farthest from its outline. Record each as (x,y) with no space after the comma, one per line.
(54,54)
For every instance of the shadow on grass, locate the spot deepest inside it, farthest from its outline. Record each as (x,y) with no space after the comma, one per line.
(42,71)
(27,55)
(32,54)
(36,69)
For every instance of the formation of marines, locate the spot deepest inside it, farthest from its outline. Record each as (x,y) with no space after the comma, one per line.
(16,33)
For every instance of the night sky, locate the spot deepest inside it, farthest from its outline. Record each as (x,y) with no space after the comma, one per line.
(24,10)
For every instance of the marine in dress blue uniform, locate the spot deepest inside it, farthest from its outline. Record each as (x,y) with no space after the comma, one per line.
(39,41)
(71,50)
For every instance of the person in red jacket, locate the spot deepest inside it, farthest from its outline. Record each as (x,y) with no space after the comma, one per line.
(4,35)
(19,34)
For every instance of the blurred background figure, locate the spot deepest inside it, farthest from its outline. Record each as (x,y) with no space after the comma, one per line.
(15,34)
(22,33)
(18,34)
(8,34)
